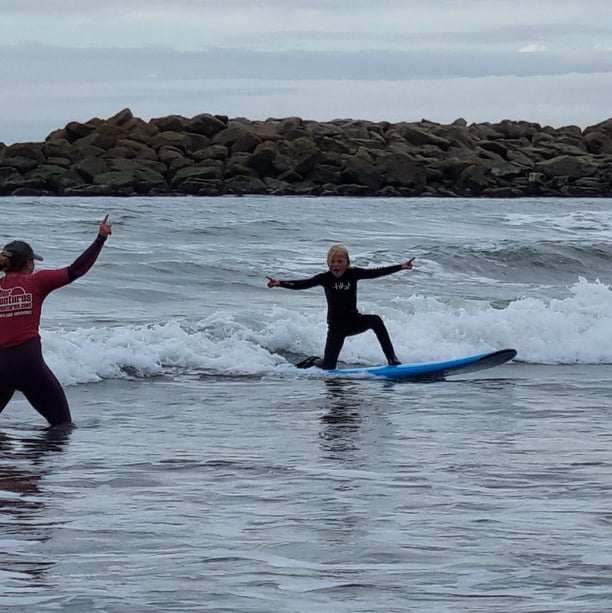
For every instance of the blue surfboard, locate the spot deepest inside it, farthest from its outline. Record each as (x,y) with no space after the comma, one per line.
(432,371)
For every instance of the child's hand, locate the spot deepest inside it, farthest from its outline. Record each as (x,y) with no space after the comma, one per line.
(273,282)
(407,265)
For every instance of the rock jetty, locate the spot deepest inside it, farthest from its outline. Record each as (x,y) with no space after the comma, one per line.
(213,155)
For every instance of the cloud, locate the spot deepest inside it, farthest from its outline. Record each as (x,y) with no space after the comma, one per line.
(60,66)
(532,48)
(194,24)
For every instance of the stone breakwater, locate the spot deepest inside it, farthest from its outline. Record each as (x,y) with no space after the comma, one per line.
(213,155)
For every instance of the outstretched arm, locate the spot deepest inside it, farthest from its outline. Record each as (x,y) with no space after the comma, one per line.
(296,284)
(374,273)
(88,258)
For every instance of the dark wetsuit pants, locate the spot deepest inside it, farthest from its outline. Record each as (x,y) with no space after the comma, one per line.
(24,369)
(356,324)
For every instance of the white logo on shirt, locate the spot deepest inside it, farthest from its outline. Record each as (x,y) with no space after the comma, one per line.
(13,300)
(342,285)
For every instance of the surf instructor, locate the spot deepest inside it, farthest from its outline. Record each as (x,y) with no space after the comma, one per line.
(22,292)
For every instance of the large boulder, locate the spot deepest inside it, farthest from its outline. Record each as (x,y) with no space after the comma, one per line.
(572,167)
(598,138)
(206,125)
(132,175)
(402,171)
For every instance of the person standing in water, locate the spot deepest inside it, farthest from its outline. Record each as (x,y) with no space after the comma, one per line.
(22,292)
(343,318)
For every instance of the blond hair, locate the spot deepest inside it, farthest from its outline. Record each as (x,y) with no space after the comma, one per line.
(338,249)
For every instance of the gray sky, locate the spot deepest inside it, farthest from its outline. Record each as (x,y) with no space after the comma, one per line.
(548,61)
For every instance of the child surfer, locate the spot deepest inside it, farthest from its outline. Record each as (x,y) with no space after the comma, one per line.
(343,318)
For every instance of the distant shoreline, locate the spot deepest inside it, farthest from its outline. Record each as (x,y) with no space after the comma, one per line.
(213,155)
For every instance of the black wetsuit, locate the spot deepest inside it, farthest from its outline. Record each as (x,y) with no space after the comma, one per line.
(343,318)
(22,365)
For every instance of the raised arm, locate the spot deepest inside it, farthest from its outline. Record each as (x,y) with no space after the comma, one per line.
(88,258)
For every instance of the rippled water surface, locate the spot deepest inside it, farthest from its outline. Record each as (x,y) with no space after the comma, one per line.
(207,474)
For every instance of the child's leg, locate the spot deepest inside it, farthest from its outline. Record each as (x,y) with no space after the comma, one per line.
(376,324)
(333,346)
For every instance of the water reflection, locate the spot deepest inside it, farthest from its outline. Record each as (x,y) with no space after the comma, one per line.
(23,468)
(342,420)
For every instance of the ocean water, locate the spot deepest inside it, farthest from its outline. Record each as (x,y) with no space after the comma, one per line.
(206,473)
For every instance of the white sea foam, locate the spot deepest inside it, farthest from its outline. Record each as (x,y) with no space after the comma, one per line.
(574,329)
